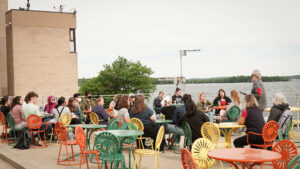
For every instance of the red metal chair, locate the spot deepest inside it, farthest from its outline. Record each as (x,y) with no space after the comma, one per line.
(187,160)
(62,134)
(4,133)
(34,122)
(288,151)
(269,134)
(81,141)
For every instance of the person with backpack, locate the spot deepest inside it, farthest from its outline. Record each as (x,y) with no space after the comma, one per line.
(280,104)
(59,109)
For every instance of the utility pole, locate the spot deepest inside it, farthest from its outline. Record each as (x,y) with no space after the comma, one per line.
(183,53)
(28,5)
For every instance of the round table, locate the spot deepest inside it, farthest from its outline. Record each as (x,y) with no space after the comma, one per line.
(244,155)
(227,128)
(163,121)
(46,115)
(177,105)
(122,133)
(219,107)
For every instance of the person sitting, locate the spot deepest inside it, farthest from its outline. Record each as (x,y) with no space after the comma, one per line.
(87,104)
(157,102)
(148,118)
(100,111)
(177,98)
(78,100)
(16,111)
(74,111)
(113,103)
(5,103)
(59,110)
(236,101)
(122,107)
(167,109)
(205,106)
(280,104)
(51,104)
(252,117)
(221,100)
(194,118)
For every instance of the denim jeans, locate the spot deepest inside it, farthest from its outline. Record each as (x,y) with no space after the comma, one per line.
(210,115)
(177,131)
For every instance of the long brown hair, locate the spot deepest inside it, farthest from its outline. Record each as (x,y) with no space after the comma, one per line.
(250,101)
(139,105)
(123,102)
(70,104)
(235,96)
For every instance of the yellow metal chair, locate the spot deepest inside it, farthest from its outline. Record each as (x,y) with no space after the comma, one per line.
(150,152)
(140,127)
(211,132)
(65,119)
(94,118)
(200,148)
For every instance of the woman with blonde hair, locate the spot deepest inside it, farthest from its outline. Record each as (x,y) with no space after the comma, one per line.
(252,117)
(236,101)
(280,104)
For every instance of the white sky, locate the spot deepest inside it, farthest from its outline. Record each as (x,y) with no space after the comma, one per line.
(235,36)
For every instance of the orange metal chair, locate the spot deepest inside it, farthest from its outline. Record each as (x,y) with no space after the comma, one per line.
(269,134)
(288,151)
(187,160)
(34,122)
(4,133)
(62,134)
(81,141)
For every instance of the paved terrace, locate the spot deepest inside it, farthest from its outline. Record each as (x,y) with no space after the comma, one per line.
(46,158)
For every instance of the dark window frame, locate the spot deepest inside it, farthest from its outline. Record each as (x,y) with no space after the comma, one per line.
(72,33)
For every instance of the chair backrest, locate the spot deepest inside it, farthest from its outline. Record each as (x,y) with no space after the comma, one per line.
(2,119)
(187,160)
(200,148)
(211,132)
(295,163)
(65,119)
(269,132)
(187,132)
(107,143)
(159,137)
(288,151)
(11,121)
(114,125)
(138,123)
(289,124)
(81,118)
(94,118)
(234,113)
(80,138)
(61,131)
(34,121)
(128,126)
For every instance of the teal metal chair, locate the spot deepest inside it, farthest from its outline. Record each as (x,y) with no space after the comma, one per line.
(286,134)
(81,118)
(128,142)
(187,134)
(109,147)
(234,113)
(11,124)
(113,124)
(294,163)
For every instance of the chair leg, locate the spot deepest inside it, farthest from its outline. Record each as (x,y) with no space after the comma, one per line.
(134,163)
(87,161)
(51,136)
(97,160)
(45,140)
(59,154)
(158,161)
(140,161)
(81,158)
(155,158)
(67,153)
(72,152)
(221,164)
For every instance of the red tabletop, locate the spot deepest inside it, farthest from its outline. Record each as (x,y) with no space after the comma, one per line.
(244,155)
(219,107)
(87,111)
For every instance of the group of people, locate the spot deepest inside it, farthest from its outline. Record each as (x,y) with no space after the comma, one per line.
(133,106)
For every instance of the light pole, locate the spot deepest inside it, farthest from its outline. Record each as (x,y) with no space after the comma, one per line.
(183,53)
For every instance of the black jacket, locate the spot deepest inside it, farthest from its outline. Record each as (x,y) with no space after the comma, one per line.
(276,111)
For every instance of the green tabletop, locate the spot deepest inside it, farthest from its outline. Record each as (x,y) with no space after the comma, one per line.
(177,105)
(163,121)
(88,126)
(122,133)
(46,115)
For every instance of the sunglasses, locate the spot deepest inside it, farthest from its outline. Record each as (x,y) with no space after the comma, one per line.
(52,99)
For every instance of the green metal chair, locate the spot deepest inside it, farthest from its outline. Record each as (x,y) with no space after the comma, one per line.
(81,118)
(188,134)
(11,124)
(295,163)
(113,124)
(234,113)
(128,142)
(109,147)
(286,134)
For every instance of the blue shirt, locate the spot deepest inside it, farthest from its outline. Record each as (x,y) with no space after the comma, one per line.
(179,112)
(143,116)
(102,115)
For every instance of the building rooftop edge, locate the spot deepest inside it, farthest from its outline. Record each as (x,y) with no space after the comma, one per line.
(39,11)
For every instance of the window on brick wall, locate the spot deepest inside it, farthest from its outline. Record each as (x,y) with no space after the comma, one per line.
(72,41)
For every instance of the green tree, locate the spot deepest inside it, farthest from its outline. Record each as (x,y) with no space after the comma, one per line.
(122,76)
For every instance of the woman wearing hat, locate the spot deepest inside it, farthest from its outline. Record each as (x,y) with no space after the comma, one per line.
(258,89)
